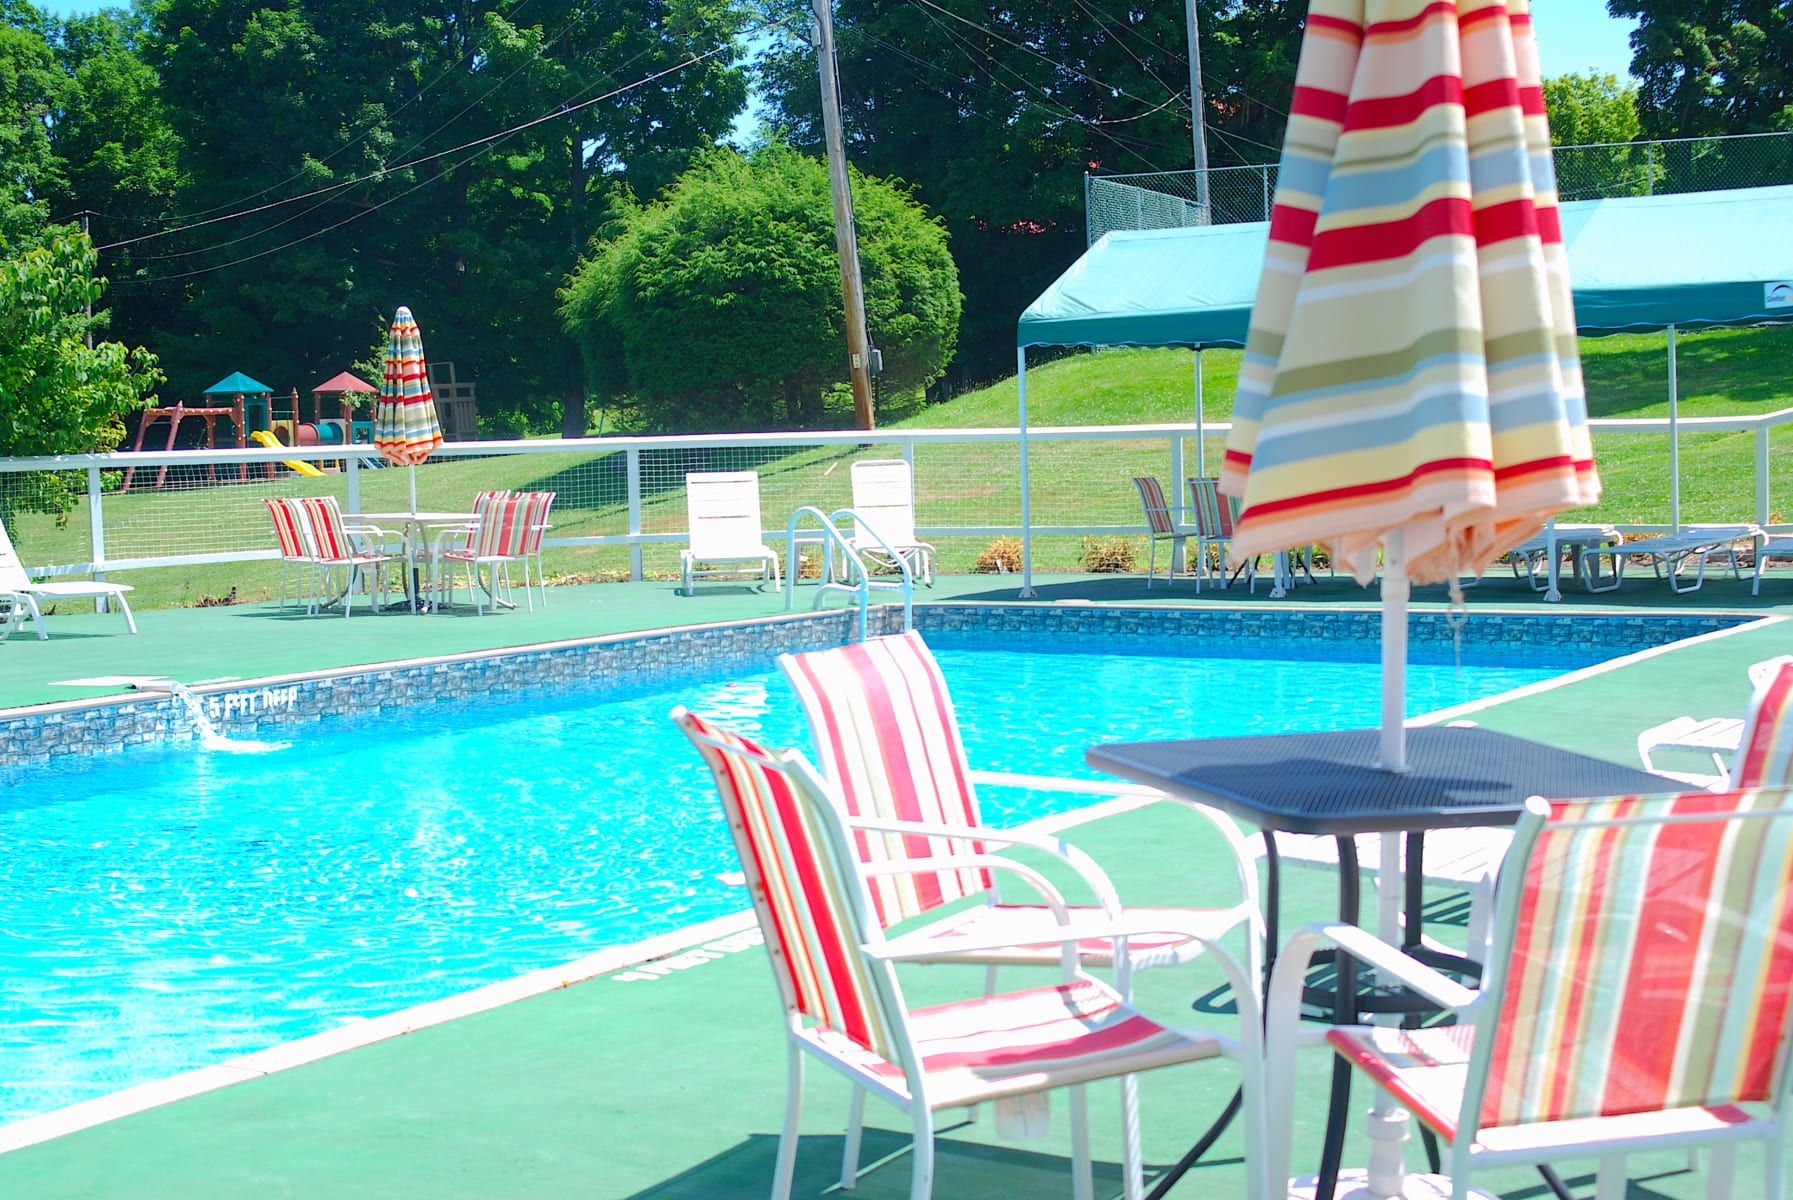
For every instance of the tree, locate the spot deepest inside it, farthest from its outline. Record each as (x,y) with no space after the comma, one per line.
(118,162)
(1596,111)
(720,307)
(58,396)
(29,88)
(1034,97)
(1711,66)
(346,156)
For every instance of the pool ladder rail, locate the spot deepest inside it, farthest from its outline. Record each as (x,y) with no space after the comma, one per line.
(839,552)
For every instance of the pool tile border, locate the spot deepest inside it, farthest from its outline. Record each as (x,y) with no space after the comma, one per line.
(257,707)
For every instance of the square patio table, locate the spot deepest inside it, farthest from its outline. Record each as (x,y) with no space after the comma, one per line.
(1328,783)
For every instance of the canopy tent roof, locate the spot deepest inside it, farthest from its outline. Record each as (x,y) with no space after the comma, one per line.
(237,383)
(1644,262)
(345,381)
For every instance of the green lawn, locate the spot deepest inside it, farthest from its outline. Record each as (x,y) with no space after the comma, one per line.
(1723,372)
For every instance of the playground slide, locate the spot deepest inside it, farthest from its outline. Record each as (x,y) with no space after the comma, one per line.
(274,443)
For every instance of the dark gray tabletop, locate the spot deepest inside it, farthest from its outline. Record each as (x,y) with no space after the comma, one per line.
(1328,782)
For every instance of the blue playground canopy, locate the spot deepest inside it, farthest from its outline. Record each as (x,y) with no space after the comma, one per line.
(1638,263)
(236,383)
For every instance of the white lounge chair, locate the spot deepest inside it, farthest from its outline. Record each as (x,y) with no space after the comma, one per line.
(724,509)
(1535,554)
(13,578)
(1774,547)
(1717,737)
(884,498)
(1671,551)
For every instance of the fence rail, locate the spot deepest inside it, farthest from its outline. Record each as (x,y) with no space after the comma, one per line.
(620,512)
(1169,199)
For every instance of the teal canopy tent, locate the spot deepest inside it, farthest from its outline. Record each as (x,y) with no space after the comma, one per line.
(1638,263)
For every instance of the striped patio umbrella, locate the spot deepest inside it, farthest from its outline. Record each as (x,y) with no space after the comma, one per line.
(1411,381)
(405,424)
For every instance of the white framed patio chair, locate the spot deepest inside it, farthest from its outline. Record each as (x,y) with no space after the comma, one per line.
(1637,998)
(458,535)
(535,528)
(888,739)
(1213,515)
(1721,738)
(337,547)
(884,499)
(1161,526)
(724,513)
(292,532)
(500,538)
(844,1006)
(15,579)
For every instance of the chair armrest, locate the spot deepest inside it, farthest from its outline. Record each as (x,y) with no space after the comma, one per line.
(1283,1033)
(1092,875)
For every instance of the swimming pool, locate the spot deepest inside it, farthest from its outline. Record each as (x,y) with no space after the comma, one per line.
(174,907)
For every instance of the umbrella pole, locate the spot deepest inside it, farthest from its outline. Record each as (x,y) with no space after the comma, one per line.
(1395,590)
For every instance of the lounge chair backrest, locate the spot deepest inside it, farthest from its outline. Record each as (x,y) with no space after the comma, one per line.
(1211,512)
(291,528)
(1765,752)
(883,494)
(536,522)
(805,888)
(1151,498)
(724,510)
(503,527)
(12,571)
(884,727)
(1640,966)
(329,537)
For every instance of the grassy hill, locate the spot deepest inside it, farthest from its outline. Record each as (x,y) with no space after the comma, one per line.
(1723,372)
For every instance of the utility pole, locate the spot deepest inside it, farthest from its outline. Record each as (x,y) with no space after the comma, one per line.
(859,355)
(1198,107)
(84,216)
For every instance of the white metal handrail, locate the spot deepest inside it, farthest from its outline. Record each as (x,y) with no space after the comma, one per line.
(833,542)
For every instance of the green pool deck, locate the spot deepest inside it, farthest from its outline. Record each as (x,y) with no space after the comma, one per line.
(667,1080)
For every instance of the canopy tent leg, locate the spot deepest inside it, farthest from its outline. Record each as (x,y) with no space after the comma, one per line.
(1027,592)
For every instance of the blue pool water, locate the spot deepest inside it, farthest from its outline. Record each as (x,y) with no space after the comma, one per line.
(173,907)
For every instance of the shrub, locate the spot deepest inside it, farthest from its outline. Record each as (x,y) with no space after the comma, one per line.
(1002,558)
(1107,555)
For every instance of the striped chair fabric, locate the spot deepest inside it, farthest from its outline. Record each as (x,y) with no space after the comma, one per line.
(811,903)
(502,535)
(1765,753)
(293,533)
(334,546)
(1161,526)
(1213,513)
(885,730)
(806,899)
(1648,971)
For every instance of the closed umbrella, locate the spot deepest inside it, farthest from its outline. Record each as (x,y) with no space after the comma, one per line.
(405,425)
(1411,382)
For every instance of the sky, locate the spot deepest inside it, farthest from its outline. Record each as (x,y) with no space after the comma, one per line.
(1573,35)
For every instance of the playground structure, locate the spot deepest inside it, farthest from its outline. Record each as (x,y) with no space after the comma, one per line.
(456,404)
(343,427)
(243,392)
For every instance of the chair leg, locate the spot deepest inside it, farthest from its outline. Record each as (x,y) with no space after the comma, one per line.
(1721,1177)
(124,606)
(1132,1173)
(787,1137)
(921,1179)
(1083,1186)
(1609,1178)
(37,617)
(849,1158)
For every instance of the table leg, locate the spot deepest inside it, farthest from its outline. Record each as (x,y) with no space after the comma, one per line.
(1344,1012)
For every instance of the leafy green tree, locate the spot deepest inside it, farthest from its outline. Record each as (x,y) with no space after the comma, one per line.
(1598,112)
(720,306)
(1711,66)
(57,395)
(346,156)
(995,114)
(30,87)
(118,160)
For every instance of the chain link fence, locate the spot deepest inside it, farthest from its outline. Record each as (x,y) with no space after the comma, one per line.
(1172,199)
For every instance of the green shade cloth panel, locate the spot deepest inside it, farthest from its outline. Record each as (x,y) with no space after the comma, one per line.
(1637,263)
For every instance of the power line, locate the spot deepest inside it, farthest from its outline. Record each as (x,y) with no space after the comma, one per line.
(561,110)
